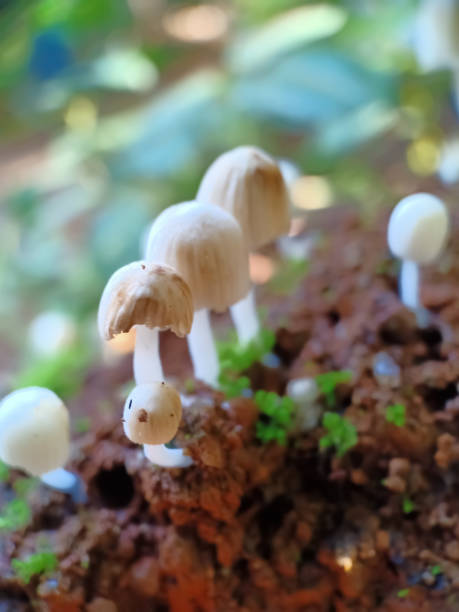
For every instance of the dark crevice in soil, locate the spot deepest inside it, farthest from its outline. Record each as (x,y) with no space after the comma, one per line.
(436,397)
(114,487)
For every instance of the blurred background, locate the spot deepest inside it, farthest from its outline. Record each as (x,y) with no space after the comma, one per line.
(111,110)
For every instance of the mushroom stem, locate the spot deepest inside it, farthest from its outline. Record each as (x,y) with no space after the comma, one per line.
(147,361)
(161,455)
(67,482)
(245,318)
(409,284)
(202,347)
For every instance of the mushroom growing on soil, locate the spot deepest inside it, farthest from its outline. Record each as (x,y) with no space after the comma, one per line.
(417,233)
(206,247)
(34,437)
(249,184)
(151,417)
(151,297)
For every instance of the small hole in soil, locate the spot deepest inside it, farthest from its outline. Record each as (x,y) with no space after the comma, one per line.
(114,487)
(333,316)
(436,397)
(431,336)
(270,520)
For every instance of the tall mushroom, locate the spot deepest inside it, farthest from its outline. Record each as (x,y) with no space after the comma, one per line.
(151,417)
(206,247)
(151,297)
(249,184)
(417,233)
(34,436)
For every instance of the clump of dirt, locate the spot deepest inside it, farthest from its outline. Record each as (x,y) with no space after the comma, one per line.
(254,526)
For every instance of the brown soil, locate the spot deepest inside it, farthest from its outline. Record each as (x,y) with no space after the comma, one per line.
(261,527)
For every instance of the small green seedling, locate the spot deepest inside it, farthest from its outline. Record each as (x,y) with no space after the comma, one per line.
(14,515)
(38,563)
(24,486)
(436,570)
(408,505)
(288,276)
(341,433)
(403,593)
(4,472)
(233,387)
(396,414)
(280,412)
(328,382)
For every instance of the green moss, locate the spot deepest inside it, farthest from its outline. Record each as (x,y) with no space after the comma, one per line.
(403,593)
(14,515)
(328,381)
(279,411)
(396,414)
(4,472)
(408,505)
(436,570)
(37,563)
(341,433)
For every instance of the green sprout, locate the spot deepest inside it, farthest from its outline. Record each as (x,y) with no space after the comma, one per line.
(37,563)
(341,433)
(23,486)
(408,505)
(328,382)
(235,358)
(436,570)
(403,593)
(288,276)
(279,410)
(14,515)
(4,472)
(396,414)
(82,425)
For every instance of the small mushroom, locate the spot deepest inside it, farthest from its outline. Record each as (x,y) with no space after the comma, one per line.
(249,184)
(151,417)
(206,247)
(151,297)
(34,437)
(417,233)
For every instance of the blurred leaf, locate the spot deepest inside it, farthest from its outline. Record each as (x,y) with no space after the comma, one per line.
(284,33)
(311,86)
(123,69)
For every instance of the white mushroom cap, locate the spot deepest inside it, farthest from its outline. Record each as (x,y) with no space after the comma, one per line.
(205,245)
(34,430)
(418,228)
(152,413)
(249,184)
(143,293)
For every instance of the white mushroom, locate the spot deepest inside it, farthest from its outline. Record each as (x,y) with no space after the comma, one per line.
(206,247)
(151,417)
(417,233)
(249,184)
(151,297)
(34,436)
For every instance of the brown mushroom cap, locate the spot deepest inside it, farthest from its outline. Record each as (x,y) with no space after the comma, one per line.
(152,413)
(143,293)
(249,184)
(205,245)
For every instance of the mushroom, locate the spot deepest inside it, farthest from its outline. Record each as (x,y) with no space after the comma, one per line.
(34,437)
(151,417)
(151,297)
(206,247)
(417,233)
(249,184)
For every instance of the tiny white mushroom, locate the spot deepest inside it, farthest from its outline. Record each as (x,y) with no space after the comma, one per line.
(205,245)
(151,417)
(249,184)
(34,436)
(417,233)
(151,297)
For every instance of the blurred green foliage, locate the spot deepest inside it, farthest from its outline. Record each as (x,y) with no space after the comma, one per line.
(37,563)
(275,416)
(341,433)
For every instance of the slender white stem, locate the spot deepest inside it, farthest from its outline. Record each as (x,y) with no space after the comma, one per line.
(409,284)
(161,455)
(245,318)
(67,482)
(147,361)
(202,347)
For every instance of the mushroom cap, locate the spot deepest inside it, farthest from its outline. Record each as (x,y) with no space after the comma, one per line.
(143,293)
(205,245)
(152,413)
(418,228)
(249,184)
(34,430)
